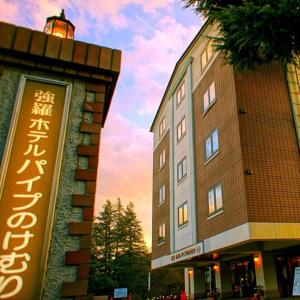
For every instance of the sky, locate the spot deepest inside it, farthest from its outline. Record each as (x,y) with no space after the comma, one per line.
(152,35)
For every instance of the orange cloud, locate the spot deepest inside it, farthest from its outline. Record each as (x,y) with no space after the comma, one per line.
(126,167)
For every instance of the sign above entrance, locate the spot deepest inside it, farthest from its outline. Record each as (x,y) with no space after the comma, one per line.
(180,255)
(28,185)
(187,252)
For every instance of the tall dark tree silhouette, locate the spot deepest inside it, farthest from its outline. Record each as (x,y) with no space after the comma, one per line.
(103,250)
(119,230)
(119,257)
(133,235)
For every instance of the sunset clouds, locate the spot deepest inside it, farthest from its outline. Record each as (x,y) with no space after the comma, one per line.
(152,35)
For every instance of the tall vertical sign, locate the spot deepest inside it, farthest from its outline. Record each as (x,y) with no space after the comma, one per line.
(28,185)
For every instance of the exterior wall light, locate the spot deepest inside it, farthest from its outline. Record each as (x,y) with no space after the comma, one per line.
(256,258)
(216,268)
(190,271)
(60,26)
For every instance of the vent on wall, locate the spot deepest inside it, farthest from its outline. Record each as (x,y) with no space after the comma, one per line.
(248,171)
(242,110)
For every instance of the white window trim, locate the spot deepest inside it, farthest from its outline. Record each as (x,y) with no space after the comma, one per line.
(162,191)
(211,102)
(211,158)
(185,175)
(220,210)
(162,126)
(179,90)
(208,59)
(183,133)
(215,214)
(214,154)
(162,159)
(187,221)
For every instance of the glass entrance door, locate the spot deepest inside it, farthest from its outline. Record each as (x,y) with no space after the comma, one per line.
(243,278)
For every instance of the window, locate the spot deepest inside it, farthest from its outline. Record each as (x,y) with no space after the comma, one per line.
(181,170)
(182,214)
(180,94)
(162,194)
(161,233)
(209,97)
(181,129)
(293,76)
(206,55)
(215,202)
(162,126)
(212,144)
(162,158)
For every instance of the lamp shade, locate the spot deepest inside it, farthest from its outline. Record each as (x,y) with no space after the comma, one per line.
(60,26)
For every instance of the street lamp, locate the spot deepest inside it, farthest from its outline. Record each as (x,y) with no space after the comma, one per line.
(60,26)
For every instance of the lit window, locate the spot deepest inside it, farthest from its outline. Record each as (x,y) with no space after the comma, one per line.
(206,55)
(162,158)
(181,129)
(293,76)
(161,233)
(162,194)
(212,144)
(209,97)
(181,170)
(215,202)
(162,126)
(182,214)
(180,94)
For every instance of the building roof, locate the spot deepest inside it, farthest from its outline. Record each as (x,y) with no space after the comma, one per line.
(36,49)
(185,53)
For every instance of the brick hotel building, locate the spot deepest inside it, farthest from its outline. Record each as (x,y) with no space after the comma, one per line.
(226,175)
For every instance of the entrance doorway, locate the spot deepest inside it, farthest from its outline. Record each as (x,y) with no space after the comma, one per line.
(243,277)
(210,281)
(285,269)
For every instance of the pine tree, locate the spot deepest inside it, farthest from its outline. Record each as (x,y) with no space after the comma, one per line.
(133,235)
(103,237)
(119,228)
(118,251)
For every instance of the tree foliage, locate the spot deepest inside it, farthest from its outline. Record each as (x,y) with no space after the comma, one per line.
(133,236)
(254,32)
(118,257)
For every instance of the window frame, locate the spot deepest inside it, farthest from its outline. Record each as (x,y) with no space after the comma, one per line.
(210,100)
(161,233)
(162,126)
(180,91)
(182,133)
(162,194)
(214,190)
(182,213)
(162,159)
(213,152)
(207,58)
(181,165)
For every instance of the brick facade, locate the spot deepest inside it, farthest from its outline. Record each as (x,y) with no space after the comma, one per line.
(226,167)
(269,145)
(161,213)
